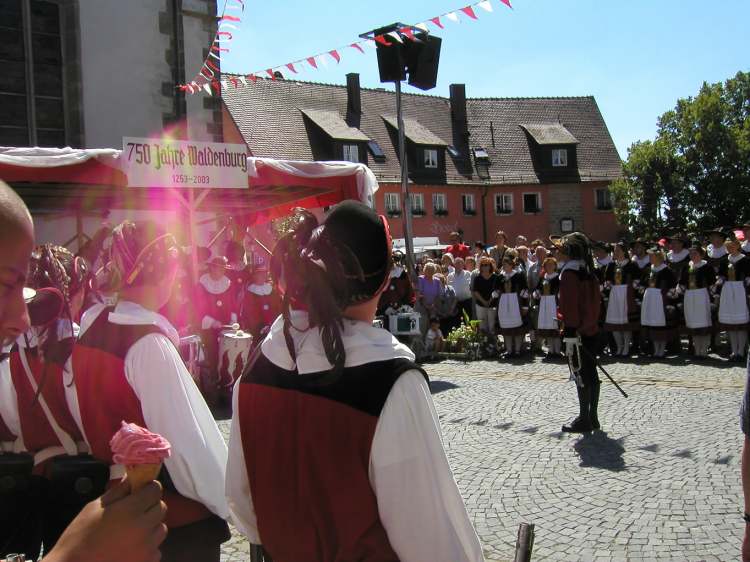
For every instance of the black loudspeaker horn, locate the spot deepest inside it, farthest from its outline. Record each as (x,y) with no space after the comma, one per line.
(391,60)
(422,60)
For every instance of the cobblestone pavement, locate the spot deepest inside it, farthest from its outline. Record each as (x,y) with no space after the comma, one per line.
(660,482)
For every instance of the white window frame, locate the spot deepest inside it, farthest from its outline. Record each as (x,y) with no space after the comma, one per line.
(472,208)
(437,199)
(559,157)
(607,197)
(414,198)
(395,202)
(502,196)
(538,200)
(350,153)
(430,158)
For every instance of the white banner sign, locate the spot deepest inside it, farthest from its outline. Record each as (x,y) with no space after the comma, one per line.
(184,163)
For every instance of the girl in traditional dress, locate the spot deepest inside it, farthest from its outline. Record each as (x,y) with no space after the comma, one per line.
(483,288)
(545,295)
(657,312)
(513,305)
(734,278)
(620,283)
(694,287)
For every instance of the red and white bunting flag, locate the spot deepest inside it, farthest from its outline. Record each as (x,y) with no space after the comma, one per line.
(469,11)
(210,64)
(208,89)
(229,18)
(453,16)
(370,44)
(312,62)
(252,77)
(507,3)
(358,47)
(243,80)
(486,5)
(269,71)
(290,66)
(322,60)
(423,27)
(396,36)
(335,54)
(224,36)
(226,25)
(408,32)
(216,86)
(218,49)
(437,22)
(382,40)
(225,84)
(234,82)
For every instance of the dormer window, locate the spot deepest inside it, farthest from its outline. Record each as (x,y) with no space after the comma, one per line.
(351,153)
(430,158)
(559,157)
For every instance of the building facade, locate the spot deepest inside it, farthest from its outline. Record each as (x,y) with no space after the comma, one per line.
(532,166)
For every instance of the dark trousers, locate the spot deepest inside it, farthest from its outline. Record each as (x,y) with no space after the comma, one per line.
(468,307)
(21,517)
(588,373)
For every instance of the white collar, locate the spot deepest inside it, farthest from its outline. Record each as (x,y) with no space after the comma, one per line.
(260,290)
(735,259)
(396,272)
(623,263)
(363,344)
(679,256)
(571,264)
(128,313)
(63,333)
(658,268)
(642,262)
(215,287)
(746,246)
(550,276)
(716,252)
(698,265)
(605,261)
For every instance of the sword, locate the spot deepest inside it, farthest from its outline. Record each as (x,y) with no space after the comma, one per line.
(603,370)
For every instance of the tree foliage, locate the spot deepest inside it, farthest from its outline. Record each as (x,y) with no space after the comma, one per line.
(696,173)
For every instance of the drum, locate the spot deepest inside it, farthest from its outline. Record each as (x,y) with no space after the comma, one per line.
(191,351)
(234,351)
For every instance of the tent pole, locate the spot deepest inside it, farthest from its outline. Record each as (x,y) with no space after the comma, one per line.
(191,236)
(406,205)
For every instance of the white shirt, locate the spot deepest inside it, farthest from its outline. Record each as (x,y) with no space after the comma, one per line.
(419,503)
(461,283)
(716,252)
(172,406)
(215,287)
(676,257)
(9,408)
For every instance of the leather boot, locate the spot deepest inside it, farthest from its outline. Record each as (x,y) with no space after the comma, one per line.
(582,423)
(594,404)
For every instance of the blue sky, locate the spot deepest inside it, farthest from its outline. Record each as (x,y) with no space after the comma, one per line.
(636,57)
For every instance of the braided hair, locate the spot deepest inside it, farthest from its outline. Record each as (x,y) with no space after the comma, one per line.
(140,253)
(326,268)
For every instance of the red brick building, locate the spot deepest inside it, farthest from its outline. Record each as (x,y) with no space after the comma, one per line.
(532,166)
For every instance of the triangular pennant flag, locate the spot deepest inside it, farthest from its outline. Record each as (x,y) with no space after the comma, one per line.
(312,62)
(229,18)
(382,40)
(269,71)
(486,5)
(252,77)
(321,59)
(453,16)
(358,47)
(396,36)
(225,84)
(216,86)
(408,32)
(234,82)
(208,89)
(243,80)
(371,44)
(507,3)
(290,66)
(335,54)
(469,11)
(212,66)
(423,27)
(437,22)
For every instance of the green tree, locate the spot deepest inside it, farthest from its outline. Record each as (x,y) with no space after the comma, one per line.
(696,173)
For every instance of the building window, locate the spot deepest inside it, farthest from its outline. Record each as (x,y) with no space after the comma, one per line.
(430,158)
(532,202)
(439,204)
(392,204)
(467,204)
(351,153)
(559,157)
(31,84)
(503,203)
(377,152)
(603,199)
(417,204)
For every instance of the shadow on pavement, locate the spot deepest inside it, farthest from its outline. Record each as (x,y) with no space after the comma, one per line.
(598,450)
(436,387)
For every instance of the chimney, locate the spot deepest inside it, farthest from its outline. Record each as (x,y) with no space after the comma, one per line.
(353,97)
(458,119)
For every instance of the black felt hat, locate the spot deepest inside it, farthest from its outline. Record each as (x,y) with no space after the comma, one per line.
(719,231)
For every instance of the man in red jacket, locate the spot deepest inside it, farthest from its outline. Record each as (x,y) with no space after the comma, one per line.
(457,248)
(579,302)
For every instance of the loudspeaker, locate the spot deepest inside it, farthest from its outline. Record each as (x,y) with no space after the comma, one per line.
(422,60)
(391,61)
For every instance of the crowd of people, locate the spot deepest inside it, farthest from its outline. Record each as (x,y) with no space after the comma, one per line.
(655,295)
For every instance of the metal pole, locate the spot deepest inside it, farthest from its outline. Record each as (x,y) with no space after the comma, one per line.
(406,205)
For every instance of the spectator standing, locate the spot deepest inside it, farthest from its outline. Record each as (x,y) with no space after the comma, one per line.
(483,288)
(446,263)
(428,291)
(457,249)
(497,252)
(447,306)
(460,280)
(534,275)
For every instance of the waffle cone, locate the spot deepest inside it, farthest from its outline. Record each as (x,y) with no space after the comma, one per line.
(138,475)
